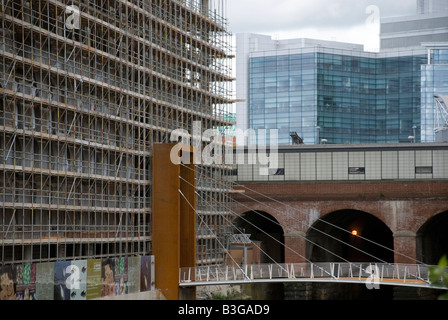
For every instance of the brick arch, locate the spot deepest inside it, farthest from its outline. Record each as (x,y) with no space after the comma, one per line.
(428,213)
(432,239)
(341,243)
(399,215)
(370,207)
(298,211)
(266,230)
(239,210)
(263,212)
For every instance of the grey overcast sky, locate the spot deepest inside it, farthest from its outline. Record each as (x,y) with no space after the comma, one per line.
(338,20)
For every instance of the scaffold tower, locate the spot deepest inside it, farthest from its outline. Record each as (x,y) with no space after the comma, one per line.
(86,88)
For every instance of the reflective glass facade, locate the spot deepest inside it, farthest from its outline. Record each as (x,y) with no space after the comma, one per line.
(282,95)
(342,97)
(434,81)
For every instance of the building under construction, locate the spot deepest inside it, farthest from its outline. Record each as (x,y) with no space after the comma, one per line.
(86,88)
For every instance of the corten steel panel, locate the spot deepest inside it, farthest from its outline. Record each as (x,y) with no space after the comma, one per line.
(174,220)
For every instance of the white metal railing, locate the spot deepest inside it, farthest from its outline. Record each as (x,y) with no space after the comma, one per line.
(357,272)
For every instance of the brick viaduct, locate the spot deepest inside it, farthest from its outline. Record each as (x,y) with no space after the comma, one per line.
(405,208)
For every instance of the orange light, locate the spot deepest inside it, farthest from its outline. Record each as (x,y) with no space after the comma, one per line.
(355,232)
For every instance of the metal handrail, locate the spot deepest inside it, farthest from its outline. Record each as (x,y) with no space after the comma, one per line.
(362,272)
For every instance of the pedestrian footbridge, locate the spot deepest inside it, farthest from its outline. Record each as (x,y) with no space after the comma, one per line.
(373,275)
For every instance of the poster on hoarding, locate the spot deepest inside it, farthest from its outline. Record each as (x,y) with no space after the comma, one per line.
(45,281)
(93,279)
(70,280)
(7,284)
(78,284)
(18,282)
(77,280)
(62,275)
(114,277)
(145,273)
(121,276)
(26,281)
(133,274)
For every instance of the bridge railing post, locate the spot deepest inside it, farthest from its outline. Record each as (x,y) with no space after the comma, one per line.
(404,276)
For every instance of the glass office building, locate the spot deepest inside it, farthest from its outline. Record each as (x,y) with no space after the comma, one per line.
(434,82)
(339,93)
(336,95)
(283,94)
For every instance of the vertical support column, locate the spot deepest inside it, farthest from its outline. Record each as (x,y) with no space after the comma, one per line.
(405,242)
(295,241)
(173,220)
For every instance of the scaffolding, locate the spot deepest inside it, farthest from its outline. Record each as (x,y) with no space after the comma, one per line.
(80,109)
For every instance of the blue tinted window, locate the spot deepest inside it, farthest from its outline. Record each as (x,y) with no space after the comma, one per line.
(351,99)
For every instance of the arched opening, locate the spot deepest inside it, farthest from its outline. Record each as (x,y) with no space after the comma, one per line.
(350,235)
(267,236)
(432,239)
(267,232)
(354,236)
